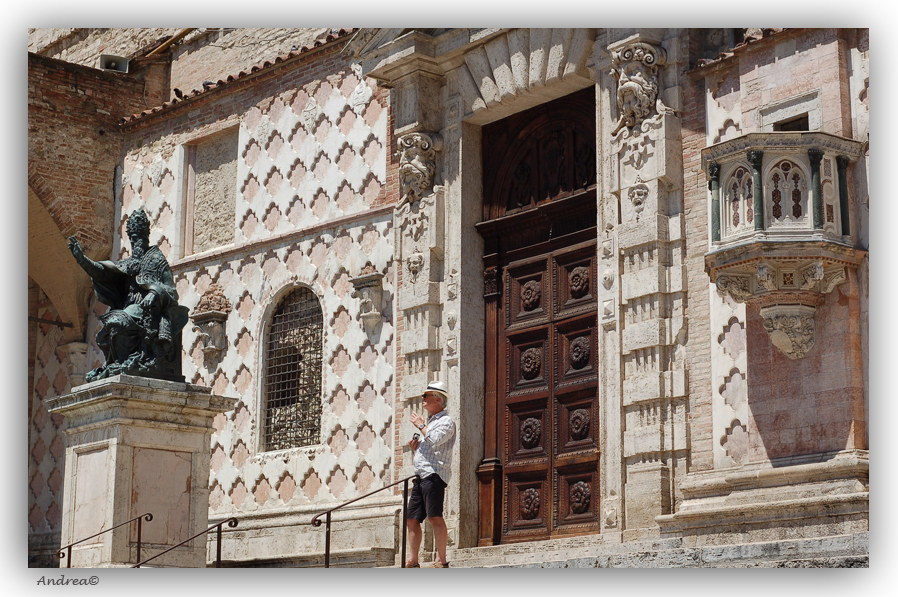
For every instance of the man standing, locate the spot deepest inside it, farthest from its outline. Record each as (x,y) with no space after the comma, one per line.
(433,463)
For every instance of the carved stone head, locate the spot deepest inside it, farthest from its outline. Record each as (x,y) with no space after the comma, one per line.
(636,69)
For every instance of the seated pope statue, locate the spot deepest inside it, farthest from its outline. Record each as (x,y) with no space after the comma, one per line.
(141,332)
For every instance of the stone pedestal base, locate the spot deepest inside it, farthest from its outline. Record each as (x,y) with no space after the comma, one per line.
(137,446)
(819,495)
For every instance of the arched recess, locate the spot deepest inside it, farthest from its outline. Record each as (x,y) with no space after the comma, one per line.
(52,267)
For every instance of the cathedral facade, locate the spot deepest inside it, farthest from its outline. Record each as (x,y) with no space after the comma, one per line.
(637,257)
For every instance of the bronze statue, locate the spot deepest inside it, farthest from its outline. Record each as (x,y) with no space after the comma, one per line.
(141,332)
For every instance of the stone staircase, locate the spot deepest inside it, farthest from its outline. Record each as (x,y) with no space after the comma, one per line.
(597,551)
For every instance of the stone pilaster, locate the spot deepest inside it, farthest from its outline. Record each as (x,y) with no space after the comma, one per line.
(647,267)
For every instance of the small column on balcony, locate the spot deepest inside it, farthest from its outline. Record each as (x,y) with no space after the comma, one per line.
(714,171)
(755,158)
(816,155)
(842,162)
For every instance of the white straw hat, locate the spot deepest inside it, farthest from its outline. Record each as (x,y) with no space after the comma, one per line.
(439,387)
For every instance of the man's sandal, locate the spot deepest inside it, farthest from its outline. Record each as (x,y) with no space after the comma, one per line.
(415,565)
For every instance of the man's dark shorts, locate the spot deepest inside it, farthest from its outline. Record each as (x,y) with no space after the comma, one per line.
(427,498)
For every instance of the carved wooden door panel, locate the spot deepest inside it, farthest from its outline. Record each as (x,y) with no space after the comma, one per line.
(550,407)
(539,476)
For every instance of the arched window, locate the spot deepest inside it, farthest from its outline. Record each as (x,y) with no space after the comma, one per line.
(739,205)
(787,195)
(292,398)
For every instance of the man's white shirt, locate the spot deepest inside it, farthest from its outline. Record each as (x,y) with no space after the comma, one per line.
(434,453)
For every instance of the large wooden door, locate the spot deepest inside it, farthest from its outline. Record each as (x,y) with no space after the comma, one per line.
(541,322)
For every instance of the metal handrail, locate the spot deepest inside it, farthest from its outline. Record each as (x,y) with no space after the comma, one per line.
(68,554)
(231,522)
(327,536)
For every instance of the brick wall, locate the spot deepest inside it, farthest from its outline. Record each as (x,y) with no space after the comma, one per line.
(74,144)
(814,404)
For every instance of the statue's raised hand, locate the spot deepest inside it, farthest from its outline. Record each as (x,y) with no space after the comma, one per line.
(75,248)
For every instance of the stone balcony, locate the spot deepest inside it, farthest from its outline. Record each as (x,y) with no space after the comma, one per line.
(780,226)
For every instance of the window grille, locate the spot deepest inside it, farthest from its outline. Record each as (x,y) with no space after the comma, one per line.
(293,372)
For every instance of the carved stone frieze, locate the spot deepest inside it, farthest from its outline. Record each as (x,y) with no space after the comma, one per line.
(791,328)
(635,67)
(736,287)
(417,165)
(766,277)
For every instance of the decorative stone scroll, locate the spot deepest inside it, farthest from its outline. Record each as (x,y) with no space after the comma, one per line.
(417,165)
(635,67)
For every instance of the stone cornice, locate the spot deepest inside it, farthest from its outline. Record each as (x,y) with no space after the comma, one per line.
(781,142)
(293,235)
(754,250)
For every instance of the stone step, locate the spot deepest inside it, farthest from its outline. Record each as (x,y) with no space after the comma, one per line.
(844,551)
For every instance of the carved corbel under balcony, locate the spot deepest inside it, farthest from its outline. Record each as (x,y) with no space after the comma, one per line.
(369,290)
(787,281)
(209,319)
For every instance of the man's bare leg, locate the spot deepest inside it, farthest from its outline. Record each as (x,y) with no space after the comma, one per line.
(414,541)
(440,536)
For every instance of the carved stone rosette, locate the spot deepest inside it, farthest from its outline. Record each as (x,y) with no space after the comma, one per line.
(635,67)
(417,165)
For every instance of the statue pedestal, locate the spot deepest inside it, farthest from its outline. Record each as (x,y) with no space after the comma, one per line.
(136,446)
